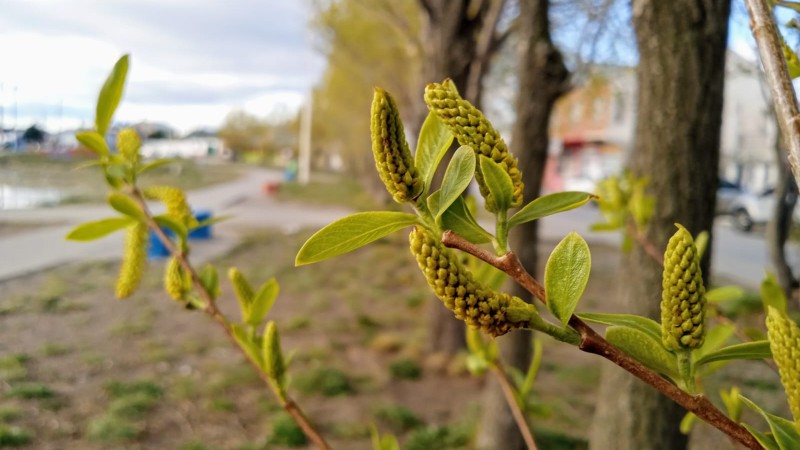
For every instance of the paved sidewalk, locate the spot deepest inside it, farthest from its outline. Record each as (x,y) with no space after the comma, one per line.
(45,247)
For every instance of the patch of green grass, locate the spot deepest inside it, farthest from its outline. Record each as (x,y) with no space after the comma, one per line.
(31,391)
(338,190)
(54,349)
(398,418)
(116,389)
(286,432)
(554,440)
(12,367)
(237,376)
(327,381)
(350,430)
(298,323)
(194,445)
(109,427)
(14,436)
(405,369)
(222,405)
(440,438)
(9,413)
(133,406)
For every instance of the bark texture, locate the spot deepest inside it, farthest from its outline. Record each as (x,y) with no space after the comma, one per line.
(681,74)
(542,79)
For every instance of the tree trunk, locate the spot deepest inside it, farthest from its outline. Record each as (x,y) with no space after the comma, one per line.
(452,32)
(681,74)
(542,79)
(781,222)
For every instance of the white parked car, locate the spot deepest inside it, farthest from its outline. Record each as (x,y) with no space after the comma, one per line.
(749,209)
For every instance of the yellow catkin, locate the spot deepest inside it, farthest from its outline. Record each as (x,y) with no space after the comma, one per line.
(389,147)
(128,144)
(470,127)
(134,260)
(174,200)
(176,280)
(683,299)
(784,342)
(469,300)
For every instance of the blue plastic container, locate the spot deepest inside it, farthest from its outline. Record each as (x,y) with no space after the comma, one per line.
(203,232)
(156,249)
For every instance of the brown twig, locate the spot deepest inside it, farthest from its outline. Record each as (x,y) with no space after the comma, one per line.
(213,311)
(516,411)
(784,100)
(646,244)
(592,342)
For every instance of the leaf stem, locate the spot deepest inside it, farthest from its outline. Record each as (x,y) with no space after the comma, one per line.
(592,342)
(211,309)
(508,391)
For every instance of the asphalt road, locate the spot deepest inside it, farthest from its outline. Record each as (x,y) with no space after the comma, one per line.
(739,258)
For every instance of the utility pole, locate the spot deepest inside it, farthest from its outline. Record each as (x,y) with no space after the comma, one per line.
(304,156)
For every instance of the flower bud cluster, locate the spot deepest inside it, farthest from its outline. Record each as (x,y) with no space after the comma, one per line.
(683,299)
(389,147)
(134,260)
(470,127)
(784,342)
(470,301)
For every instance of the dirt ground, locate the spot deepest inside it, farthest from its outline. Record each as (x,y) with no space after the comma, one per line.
(81,370)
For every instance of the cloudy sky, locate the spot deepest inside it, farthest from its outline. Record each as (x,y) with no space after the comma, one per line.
(192,61)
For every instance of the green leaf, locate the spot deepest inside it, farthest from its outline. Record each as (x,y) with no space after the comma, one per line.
(212,221)
(498,182)
(551,204)
(765,440)
(110,95)
(90,231)
(733,402)
(784,431)
(350,233)
(644,348)
(166,222)
(566,275)
(126,205)
(792,60)
(724,294)
(701,244)
(715,338)
(247,344)
(602,227)
(748,350)
(210,280)
(688,422)
(772,294)
(93,141)
(434,141)
(643,324)
(457,177)
(458,219)
(87,164)
(433,201)
(157,163)
(262,302)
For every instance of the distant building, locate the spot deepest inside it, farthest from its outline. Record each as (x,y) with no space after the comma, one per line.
(592,129)
(198,147)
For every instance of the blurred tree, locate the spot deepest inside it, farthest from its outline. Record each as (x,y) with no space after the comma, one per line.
(681,74)
(367,43)
(243,132)
(542,79)
(34,134)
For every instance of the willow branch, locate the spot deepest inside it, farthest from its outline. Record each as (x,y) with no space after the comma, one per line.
(516,411)
(213,311)
(784,100)
(592,342)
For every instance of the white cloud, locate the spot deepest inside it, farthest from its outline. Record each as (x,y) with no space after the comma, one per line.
(192,62)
